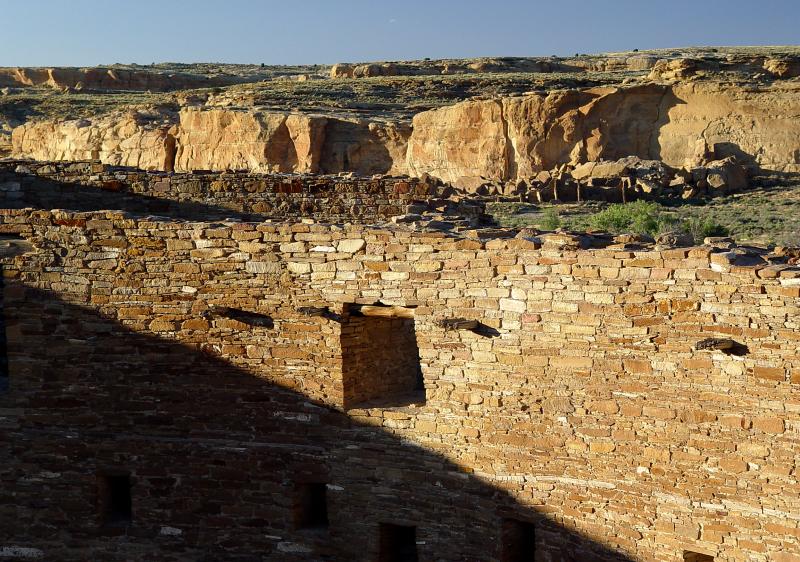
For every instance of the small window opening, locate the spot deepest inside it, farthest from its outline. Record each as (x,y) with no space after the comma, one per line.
(398,543)
(311,505)
(518,541)
(689,556)
(380,358)
(114,499)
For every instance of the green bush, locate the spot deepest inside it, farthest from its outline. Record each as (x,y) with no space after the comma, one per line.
(639,217)
(700,229)
(550,220)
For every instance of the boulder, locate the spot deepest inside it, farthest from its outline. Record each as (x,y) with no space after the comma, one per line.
(726,176)
(675,69)
(370,70)
(650,171)
(675,239)
(783,67)
(342,70)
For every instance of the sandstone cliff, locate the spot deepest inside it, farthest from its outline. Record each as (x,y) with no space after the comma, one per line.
(516,137)
(107,79)
(251,140)
(141,140)
(265,141)
(221,139)
(503,139)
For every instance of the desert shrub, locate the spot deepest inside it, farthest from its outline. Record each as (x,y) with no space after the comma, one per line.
(550,220)
(791,239)
(700,229)
(639,217)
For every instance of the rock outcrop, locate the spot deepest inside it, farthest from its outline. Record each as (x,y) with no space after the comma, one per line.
(221,139)
(107,79)
(514,138)
(365,147)
(137,139)
(758,125)
(467,144)
(260,141)
(517,137)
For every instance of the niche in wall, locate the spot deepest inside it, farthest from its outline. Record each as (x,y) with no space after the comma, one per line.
(380,358)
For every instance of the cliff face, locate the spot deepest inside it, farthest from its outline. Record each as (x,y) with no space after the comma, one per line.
(106,79)
(501,139)
(365,147)
(257,141)
(132,139)
(516,137)
(221,139)
(759,125)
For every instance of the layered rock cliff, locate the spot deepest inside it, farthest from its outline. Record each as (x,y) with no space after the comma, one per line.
(516,137)
(222,139)
(137,139)
(251,140)
(107,79)
(503,139)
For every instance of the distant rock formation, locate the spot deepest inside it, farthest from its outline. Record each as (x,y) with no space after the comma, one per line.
(500,140)
(221,139)
(514,138)
(138,139)
(108,79)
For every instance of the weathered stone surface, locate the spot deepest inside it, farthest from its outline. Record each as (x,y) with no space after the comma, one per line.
(221,139)
(518,137)
(582,377)
(107,79)
(498,140)
(138,139)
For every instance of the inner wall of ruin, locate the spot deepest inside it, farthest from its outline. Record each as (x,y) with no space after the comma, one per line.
(209,196)
(211,362)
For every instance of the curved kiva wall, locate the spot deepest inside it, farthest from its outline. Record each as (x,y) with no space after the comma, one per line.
(498,140)
(582,397)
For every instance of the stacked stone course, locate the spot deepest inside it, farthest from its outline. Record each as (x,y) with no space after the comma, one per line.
(583,406)
(249,195)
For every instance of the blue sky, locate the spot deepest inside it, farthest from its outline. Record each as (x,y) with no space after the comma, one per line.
(89,32)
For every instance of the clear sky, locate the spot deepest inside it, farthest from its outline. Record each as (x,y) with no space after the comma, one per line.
(90,32)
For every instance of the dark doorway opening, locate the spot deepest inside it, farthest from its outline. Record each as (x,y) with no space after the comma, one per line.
(115,505)
(518,541)
(311,505)
(398,543)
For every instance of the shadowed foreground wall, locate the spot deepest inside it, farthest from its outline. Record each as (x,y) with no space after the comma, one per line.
(205,196)
(582,407)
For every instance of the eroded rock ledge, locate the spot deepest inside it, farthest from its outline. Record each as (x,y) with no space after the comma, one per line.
(466,144)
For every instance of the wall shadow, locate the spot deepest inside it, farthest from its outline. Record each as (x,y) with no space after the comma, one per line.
(44,193)
(215,453)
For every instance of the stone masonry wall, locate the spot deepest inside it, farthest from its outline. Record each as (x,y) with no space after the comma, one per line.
(583,407)
(94,186)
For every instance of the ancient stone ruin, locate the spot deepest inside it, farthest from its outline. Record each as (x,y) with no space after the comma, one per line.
(303,345)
